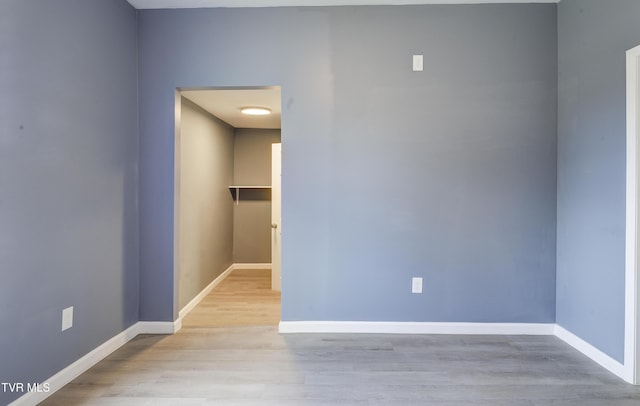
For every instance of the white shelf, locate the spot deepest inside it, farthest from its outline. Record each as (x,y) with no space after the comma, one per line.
(237,188)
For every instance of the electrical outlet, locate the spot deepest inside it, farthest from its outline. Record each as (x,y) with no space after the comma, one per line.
(67,318)
(416,285)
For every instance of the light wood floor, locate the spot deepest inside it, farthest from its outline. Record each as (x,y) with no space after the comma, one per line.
(207,363)
(244,298)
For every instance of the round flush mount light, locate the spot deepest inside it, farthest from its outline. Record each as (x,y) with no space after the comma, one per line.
(256,111)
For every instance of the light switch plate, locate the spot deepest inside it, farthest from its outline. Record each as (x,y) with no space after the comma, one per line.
(416,285)
(418,63)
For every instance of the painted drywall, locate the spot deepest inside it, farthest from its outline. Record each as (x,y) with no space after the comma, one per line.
(448,174)
(252,216)
(592,39)
(68,181)
(206,207)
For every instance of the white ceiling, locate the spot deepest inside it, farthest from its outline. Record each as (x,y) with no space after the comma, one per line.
(145,4)
(226,104)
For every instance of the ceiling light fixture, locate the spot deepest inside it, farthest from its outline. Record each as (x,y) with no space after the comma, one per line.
(255,111)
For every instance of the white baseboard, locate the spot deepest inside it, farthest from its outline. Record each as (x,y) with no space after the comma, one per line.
(592,352)
(159,327)
(196,300)
(74,370)
(68,374)
(252,266)
(377,327)
(604,360)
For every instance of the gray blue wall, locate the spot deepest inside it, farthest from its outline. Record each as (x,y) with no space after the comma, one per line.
(448,174)
(593,36)
(68,181)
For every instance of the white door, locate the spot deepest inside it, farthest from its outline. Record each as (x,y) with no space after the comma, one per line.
(276,229)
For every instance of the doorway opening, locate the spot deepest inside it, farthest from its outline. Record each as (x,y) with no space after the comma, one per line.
(226,227)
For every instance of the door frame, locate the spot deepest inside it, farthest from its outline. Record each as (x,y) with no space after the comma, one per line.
(176,184)
(632,238)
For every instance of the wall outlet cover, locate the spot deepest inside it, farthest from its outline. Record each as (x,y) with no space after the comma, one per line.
(418,63)
(67,318)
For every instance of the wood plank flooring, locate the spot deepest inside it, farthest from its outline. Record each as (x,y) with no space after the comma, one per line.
(244,298)
(213,362)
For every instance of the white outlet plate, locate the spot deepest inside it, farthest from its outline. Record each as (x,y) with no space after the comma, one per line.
(418,64)
(67,318)
(416,285)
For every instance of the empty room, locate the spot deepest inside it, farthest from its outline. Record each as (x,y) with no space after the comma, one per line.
(458,202)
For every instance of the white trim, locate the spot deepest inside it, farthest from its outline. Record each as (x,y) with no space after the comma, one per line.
(390,327)
(177,195)
(154,4)
(159,327)
(196,300)
(74,370)
(375,327)
(592,352)
(256,266)
(68,374)
(632,322)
